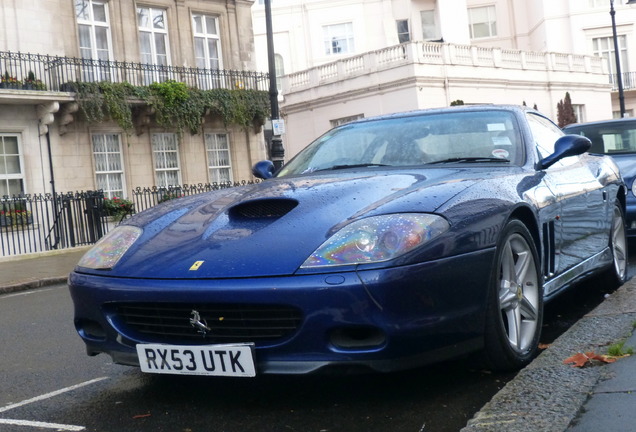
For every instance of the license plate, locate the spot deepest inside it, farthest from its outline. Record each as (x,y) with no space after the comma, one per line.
(217,360)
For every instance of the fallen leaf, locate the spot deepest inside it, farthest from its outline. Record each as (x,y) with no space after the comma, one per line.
(580,359)
(601,357)
(141,416)
(544,346)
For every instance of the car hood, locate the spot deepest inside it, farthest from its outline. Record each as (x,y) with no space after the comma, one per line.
(271,228)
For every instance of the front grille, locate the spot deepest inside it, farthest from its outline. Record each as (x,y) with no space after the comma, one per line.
(266,208)
(170,323)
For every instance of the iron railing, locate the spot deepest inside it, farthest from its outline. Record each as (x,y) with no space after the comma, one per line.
(46,72)
(146,197)
(43,222)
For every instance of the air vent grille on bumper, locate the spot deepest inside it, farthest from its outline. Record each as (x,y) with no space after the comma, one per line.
(207,323)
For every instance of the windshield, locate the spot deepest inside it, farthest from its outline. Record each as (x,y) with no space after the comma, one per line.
(457,137)
(608,138)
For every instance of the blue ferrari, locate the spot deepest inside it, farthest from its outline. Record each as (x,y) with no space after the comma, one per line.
(388,243)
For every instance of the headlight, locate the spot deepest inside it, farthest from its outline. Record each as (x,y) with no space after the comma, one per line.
(634,187)
(376,239)
(110,248)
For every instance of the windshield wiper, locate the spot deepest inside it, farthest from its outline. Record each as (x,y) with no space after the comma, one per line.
(469,160)
(363,165)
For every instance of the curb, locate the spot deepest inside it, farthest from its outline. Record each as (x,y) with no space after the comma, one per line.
(38,283)
(547,395)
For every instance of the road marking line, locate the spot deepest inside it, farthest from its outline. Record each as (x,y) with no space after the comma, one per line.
(56,426)
(28,292)
(50,395)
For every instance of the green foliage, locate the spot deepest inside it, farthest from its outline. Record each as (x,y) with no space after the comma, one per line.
(618,349)
(176,106)
(170,196)
(457,102)
(565,111)
(118,207)
(32,82)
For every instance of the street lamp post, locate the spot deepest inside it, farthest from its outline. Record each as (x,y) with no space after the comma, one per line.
(617,56)
(277,151)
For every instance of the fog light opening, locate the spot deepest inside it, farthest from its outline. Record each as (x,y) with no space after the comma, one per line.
(357,337)
(90,329)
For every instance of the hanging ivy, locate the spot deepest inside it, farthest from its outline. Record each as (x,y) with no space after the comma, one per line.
(176,106)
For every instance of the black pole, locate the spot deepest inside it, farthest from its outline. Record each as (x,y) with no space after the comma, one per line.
(277,151)
(619,77)
(56,226)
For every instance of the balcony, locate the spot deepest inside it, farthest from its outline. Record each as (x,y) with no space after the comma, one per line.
(36,72)
(629,81)
(119,90)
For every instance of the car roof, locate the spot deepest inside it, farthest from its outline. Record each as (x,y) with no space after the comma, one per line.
(601,122)
(474,108)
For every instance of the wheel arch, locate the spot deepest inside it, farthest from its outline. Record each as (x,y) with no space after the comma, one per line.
(621,196)
(528,218)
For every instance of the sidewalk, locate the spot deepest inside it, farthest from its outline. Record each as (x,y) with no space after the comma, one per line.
(22,272)
(549,396)
(546,396)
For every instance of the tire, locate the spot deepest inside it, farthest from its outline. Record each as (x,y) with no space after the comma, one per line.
(617,273)
(514,312)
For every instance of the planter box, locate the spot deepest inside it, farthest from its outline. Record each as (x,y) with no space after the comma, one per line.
(6,221)
(14,86)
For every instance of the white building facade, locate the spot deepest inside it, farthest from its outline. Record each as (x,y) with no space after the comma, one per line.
(499,51)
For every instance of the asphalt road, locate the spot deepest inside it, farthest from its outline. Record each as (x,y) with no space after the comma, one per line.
(48,383)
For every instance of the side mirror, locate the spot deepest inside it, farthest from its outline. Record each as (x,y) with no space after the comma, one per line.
(263,169)
(567,145)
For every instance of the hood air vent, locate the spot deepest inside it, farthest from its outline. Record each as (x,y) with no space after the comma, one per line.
(270,208)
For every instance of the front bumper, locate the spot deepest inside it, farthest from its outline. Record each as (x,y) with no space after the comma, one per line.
(385,319)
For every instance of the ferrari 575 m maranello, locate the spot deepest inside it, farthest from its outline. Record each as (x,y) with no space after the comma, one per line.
(388,243)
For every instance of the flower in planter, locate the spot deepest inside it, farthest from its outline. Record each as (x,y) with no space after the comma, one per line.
(31,82)
(8,80)
(21,217)
(118,207)
(169,196)
(15,217)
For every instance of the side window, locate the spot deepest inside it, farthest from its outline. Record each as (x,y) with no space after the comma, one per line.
(545,133)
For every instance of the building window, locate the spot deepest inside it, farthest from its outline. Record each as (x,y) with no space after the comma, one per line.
(343,120)
(11,175)
(429,26)
(482,22)
(579,112)
(280,70)
(165,154)
(338,38)
(94,37)
(599,3)
(153,42)
(403,30)
(207,48)
(109,168)
(604,48)
(217,147)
